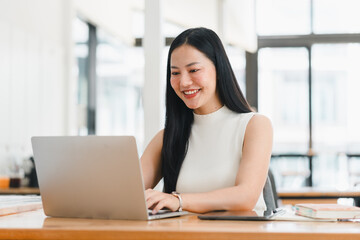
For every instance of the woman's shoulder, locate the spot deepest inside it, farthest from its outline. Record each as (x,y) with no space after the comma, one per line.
(253,118)
(259,118)
(160,134)
(240,117)
(259,123)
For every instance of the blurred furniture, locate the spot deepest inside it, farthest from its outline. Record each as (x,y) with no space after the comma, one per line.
(20,191)
(354,173)
(268,194)
(273,187)
(307,174)
(316,195)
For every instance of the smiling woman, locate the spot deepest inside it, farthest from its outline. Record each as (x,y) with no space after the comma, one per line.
(209,149)
(193,78)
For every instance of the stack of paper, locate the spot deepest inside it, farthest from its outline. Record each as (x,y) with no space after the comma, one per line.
(11,204)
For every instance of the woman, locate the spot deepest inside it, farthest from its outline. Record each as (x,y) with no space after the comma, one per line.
(214,152)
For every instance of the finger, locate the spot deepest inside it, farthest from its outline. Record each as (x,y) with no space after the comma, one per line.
(154,199)
(151,203)
(150,193)
(170,202)
(160,205)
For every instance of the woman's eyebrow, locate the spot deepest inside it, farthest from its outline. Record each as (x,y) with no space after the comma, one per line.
(187,65)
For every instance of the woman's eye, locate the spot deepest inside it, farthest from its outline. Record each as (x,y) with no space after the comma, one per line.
(194,70)
(175,73)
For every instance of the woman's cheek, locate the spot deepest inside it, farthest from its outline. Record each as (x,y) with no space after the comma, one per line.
(175,84)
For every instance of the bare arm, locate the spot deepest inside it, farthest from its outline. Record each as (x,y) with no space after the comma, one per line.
(250,178)
(151,161)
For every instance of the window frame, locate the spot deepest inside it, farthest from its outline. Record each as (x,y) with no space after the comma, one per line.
(293,41)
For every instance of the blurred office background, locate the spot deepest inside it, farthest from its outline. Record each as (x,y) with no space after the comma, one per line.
(79,67)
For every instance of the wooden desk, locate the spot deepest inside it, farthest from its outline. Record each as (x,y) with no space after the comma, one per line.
(34,225)
(20,191)
(316,195)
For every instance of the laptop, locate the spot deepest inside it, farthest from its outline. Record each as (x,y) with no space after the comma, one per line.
(92,177)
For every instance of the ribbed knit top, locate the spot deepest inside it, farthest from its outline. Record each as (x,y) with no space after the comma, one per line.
(214,152)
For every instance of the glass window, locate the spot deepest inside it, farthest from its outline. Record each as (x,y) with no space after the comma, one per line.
(284,90)
(119,85)
(334,16)
(81,50)
(336,114)
(283,17)
(283,96)
(238,63)
(290,172)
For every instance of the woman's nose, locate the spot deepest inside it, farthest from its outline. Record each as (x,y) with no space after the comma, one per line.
(185,80)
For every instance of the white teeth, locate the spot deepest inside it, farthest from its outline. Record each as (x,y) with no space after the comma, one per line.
(191,92)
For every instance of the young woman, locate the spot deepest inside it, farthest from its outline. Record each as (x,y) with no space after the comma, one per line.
(214,152)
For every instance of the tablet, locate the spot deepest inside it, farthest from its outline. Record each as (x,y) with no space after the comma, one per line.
(241,215)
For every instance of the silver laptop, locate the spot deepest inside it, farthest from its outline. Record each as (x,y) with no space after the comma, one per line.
(92,177)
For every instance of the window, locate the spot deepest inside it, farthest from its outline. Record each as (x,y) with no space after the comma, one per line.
(335,96)
(119,86)
(283,91)
(238,63)
(81,49)
(334,16)
(308,85)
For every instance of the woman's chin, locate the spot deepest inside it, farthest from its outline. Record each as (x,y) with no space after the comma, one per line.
(192,106)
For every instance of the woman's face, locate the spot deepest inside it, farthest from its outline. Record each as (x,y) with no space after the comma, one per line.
(193,78)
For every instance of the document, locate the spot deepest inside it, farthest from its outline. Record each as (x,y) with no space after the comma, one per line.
(12,204)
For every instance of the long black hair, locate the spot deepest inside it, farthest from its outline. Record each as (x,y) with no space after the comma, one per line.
(179,117)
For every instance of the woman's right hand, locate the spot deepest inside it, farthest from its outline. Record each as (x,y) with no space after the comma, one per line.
(156,201)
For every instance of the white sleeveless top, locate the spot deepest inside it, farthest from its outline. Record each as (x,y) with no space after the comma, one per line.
(214,153)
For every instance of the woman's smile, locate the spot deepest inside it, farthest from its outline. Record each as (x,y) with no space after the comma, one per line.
(191,93)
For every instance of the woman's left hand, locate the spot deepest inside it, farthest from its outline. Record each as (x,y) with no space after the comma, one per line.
(156,200)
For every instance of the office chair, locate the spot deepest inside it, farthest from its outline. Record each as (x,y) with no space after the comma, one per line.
(269,192)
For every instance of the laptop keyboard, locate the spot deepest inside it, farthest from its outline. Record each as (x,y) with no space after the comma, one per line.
(162,211)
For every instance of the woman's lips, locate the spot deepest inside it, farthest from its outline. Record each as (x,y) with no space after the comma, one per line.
(191,93)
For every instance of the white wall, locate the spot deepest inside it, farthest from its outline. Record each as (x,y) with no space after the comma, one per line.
(33,71)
